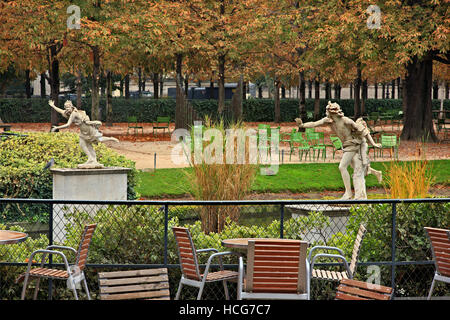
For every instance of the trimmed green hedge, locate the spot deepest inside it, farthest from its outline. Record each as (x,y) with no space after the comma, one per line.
(22,174)
(254,110)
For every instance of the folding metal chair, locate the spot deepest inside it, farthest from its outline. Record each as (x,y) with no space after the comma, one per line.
(276,269)
(349,269)
(191,275)
(72,273)
(440,246)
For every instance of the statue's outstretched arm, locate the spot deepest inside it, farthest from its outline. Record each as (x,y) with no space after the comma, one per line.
(69,122)
(52,104)
(313,124)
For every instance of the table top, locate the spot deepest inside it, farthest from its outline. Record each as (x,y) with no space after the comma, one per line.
(239,243)
(11,237)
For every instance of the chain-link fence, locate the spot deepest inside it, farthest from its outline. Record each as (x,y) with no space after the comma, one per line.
(137,234)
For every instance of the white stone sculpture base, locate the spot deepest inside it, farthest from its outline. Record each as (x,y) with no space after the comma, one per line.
(109,183)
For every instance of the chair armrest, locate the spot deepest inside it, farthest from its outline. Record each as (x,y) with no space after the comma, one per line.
(326,248)
(219,255)
(334,256)
(61,247)
(207,250)
(46,252)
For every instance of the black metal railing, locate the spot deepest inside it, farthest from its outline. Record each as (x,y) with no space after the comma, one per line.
(137,234)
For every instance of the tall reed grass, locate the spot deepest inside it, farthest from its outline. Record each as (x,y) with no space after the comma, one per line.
(409,179)
(220,181)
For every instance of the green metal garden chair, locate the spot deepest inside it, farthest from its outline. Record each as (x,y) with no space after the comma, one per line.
(391,142)
(336,144)
(133,124)
(317,143)
(303,146)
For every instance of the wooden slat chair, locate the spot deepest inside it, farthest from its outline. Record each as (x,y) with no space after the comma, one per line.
(276,269)
(147,284)
(72,273)
(358,290)
(440,246)
(349,269)
(190,270)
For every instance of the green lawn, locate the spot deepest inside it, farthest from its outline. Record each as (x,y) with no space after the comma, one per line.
(295,178)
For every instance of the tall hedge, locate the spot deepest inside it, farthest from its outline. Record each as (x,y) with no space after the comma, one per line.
(254,110)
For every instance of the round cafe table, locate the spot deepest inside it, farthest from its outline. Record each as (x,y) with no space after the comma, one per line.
(238,243)
(11,237)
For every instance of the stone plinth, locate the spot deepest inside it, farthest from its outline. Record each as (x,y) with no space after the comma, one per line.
(338,215)
(109,183)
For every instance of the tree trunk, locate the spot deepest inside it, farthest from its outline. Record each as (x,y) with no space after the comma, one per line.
(43,93)
(418,123)
(351,90)
(186,85)
(393,89)
(161,85)
(155,85)
(260,91)
(364,97)
(180,110)
(27,84)
(237,99)
(435,90)
(277,111)
(221,102)
(399,88)
(211,88)
(302,100)
(127,86)
(309,89)
(446,90)
(375,86)
(357,94)
(109,111)
(383,91)
(95,114)
(327,90)
(54,83)
(140,82)
(316,99)
(79,89)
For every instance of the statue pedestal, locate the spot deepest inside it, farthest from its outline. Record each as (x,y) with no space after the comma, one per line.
(109,183)
(337,214)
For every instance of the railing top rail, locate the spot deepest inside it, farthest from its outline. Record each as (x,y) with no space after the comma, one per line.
(218,202)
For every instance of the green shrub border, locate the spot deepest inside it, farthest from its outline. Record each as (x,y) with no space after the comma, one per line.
(36,110)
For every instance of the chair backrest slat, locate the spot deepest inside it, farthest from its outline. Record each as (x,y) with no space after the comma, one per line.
(187,253)
(83,248)
(276,266)
(357,248)
(440,246)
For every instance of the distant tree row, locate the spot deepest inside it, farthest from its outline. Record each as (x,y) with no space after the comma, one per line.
(294,42)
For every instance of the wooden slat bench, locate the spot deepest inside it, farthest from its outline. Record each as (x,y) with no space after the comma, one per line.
(148,284)
(358,290)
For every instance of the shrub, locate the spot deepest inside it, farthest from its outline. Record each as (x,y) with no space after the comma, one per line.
(262,110)
(22,174)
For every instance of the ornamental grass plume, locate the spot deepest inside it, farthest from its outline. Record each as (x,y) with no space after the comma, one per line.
(409,179)
(219,180)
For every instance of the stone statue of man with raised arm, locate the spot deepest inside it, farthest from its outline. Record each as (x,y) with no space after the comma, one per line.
(89,133)
(354,137)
